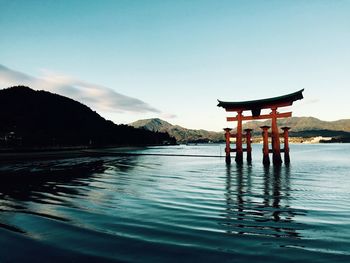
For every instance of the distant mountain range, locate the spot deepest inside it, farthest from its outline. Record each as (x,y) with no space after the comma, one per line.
(301,127)
(30,118)
(301,124)
(181,134)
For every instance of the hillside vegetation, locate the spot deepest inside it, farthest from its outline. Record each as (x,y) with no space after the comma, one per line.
(299,124)
(40,118)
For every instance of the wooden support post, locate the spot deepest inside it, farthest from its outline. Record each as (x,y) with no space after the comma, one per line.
(239,148)
(286,144)
(265,134)
(275,140)
(248,137)
(228,147)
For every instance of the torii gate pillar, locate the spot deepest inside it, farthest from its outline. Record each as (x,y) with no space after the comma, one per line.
(286,145)
(228,147)
(248,138)
(265,135)
(239,142)
(276,150)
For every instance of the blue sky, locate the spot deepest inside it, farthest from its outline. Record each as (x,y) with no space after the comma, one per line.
(131,60)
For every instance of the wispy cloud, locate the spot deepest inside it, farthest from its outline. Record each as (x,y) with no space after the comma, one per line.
(96,96)
(311,101)
(168,116)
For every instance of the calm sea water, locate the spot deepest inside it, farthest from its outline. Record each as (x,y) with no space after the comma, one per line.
(178,209)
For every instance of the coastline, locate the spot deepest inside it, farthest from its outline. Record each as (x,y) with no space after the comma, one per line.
(8,155)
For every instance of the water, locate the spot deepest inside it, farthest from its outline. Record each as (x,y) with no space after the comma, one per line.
(178,209)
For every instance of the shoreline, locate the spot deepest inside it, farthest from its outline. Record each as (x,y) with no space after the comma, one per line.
(75,152)
(61,153)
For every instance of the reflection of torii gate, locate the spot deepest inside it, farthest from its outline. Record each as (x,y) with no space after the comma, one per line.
(255,106)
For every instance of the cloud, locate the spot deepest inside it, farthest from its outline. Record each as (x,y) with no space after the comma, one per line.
(168,116)
(311,101)
(95,96)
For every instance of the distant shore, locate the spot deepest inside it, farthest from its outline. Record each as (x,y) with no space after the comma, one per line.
(42,153)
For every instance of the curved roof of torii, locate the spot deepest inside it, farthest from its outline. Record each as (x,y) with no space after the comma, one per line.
(257,105)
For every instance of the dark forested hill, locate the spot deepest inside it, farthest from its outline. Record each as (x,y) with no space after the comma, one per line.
(38,118)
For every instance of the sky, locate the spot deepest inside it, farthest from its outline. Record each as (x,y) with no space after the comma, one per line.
(130,59)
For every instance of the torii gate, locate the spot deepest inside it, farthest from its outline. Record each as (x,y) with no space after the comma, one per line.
(255,106)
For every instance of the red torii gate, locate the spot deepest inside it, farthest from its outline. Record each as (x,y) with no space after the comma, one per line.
(255,106)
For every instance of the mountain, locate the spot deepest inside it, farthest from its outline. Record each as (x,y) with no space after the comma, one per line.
(40,118)
(181,134)
(307,127)
(301,127)
(300,124)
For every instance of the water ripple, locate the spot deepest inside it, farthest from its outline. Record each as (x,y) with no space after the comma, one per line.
(171,209)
